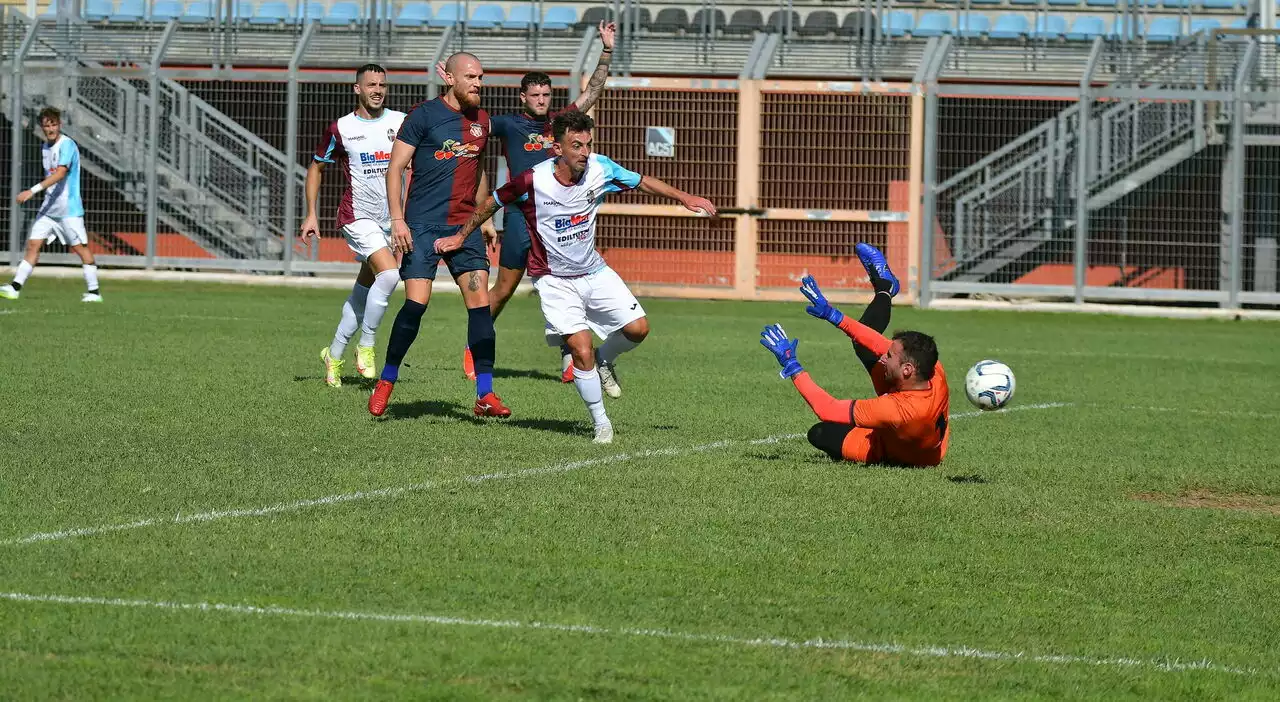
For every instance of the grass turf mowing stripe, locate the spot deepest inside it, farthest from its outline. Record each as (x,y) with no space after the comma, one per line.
(1159,664)
(394,492)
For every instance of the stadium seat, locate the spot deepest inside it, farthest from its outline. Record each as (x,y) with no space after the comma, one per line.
(778,21)
(196,12)
(1086,28)
(97,10)
(593,16)
(1024,2)
(520,17)
(415,14)
(970,26)
(446,16)
(271,12)
(637,17)
(1010,27)
(1177,4)
(1164,29)
(309,12)
(855,23)
(1100,3)
(896,23)
(1125,27)
(559,18)
(714,20)
(1203,25)
(670,20)
(341,14)
(165,10)
(129,11)
(1064,3)
(1219,4)
(819,23)
(241,11)
(744,22)
(933,24)
(1242,23)
(1050,27)
(486,17)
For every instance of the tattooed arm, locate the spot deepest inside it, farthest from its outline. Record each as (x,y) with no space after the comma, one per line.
(595,86)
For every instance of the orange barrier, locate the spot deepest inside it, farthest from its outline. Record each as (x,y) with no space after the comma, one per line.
(1107,276)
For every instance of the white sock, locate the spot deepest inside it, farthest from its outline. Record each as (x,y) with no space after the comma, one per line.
(347,327)
(91,276)
(359,294)
(615,345)
(588,384)
(376,305)
(24,272)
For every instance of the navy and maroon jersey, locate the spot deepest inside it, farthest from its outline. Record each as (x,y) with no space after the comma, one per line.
(526,141)
(446,163)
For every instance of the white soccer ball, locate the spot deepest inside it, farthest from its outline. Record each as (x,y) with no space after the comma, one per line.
(989,385)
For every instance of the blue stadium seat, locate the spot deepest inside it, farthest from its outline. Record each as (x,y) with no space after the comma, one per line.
(971,26)
(896,24)
(414,14)
(341,14)
(95,10)
(1010,27)
(1242,23)
(198,11)
(1177,4)
(1050,27)
(1123,27)
(165,10)
(129,11)
(1101,3)
(271,12)
(1024,2)
(559,18)
(1164,29)
(486,17)
(1064,3)
(242,11)
(1220,4)
(984,2)
(933,24)
(1086,28)
(1203,24)
(447,15)
(309,12)
(520,17)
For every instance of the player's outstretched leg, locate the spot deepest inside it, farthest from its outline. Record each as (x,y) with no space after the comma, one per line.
(14,289)
(885,283)
(586,378)
(616,344)
(375,307)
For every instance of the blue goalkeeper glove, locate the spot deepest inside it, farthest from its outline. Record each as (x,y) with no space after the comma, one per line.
(819,307)
(774,338)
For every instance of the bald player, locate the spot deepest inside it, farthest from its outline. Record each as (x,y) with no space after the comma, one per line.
(444,140)
(907,423)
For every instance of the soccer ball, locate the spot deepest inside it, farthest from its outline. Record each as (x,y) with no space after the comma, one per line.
(989,385)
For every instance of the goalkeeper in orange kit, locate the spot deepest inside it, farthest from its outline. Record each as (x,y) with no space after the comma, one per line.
(907,422)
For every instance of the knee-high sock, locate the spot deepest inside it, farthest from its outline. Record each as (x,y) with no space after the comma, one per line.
(91,277)
(24,272)
(403,332)
(875,317)
(615,345)
(375,305)
(482,340)
(588,384)
(352,311)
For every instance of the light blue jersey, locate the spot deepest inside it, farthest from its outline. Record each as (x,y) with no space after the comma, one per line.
(63,198)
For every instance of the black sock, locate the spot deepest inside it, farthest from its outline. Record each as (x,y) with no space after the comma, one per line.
(403,332)
(877,313)
(16,286)
(482,339)
(94,292)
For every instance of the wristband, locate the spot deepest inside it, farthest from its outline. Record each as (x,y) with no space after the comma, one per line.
(37,188)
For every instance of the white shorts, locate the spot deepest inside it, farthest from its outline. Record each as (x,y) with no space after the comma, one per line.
(600,302)
(68,230)
(364,236)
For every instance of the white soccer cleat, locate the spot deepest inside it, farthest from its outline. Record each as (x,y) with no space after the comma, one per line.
(604,434)
(7,292)
(91,297)
(608,378)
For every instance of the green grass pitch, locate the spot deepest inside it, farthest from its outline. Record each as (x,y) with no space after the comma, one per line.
(187,512)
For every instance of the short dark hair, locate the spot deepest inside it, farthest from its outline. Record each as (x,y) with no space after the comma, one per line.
(571,121)
(533,78)
(51,114)
(369,68)
(921,350)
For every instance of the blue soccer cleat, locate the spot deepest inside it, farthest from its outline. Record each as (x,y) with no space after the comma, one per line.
(877,268)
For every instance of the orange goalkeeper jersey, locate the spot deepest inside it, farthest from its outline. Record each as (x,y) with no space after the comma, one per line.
(912,426)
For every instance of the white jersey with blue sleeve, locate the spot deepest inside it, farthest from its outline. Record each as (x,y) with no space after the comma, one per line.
(562,217)
(62,199)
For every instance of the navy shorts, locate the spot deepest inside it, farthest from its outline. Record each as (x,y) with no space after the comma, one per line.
(423,260)
(515,240)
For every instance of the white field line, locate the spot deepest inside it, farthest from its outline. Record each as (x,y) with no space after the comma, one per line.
(395,492)
(1158,664)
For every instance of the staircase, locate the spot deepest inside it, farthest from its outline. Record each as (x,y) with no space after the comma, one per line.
(1021,198)
(218,183)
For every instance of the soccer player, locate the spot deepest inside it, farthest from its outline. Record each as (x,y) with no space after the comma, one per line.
(579,292)
(360,143)
(61,215)
(526,142)
(444,139)
(907,423)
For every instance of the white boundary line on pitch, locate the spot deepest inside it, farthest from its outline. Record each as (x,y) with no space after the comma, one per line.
(394,492)
(1166,665)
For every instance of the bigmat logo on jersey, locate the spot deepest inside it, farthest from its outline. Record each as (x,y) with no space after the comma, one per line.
(375,157)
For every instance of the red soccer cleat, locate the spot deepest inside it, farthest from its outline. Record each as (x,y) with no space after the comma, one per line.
(491,406)
(378,400)
(468,364)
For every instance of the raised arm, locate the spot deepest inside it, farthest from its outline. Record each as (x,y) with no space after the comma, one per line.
(595,85)
(879,412)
